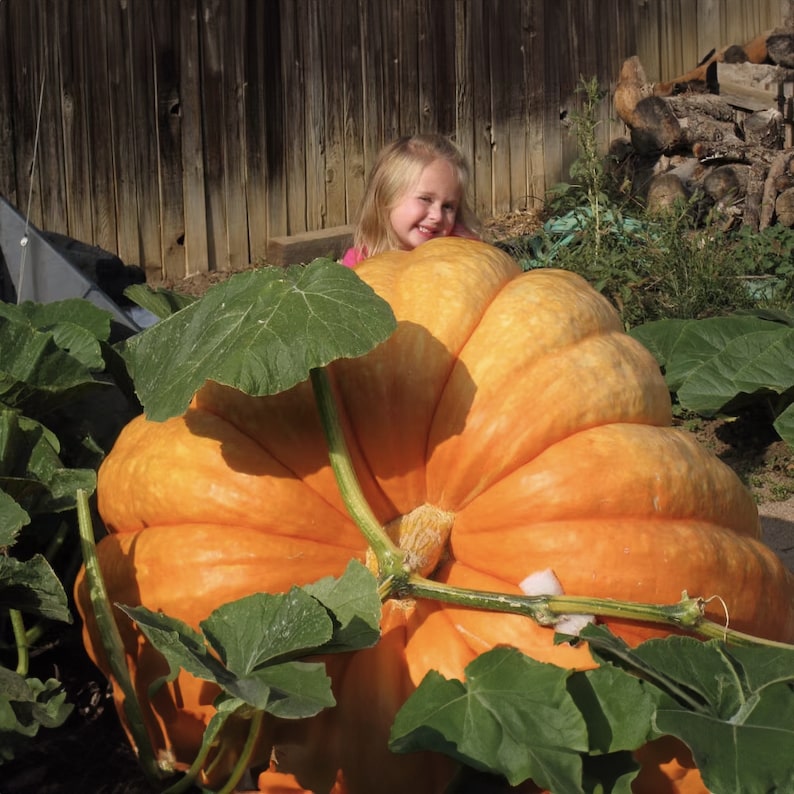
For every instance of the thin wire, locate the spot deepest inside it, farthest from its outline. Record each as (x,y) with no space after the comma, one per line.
(24,241)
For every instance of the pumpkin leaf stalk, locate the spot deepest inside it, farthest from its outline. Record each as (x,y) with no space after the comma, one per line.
(390,558)
(111,639)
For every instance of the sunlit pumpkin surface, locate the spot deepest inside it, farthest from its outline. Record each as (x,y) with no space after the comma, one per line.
(512,409)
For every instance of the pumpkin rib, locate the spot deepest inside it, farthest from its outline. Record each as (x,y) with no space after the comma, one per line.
(689,557)
(508,431)
(230,478)
(670,476)
(402,384)
(290,419)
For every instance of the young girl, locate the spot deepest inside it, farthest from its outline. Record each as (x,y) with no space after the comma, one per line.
(416,191)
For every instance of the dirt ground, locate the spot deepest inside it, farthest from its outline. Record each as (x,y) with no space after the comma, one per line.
(750,447)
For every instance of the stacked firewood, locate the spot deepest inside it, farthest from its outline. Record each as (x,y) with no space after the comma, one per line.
(721,132)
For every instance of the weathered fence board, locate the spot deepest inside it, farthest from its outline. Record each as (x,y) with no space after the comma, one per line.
(185,135)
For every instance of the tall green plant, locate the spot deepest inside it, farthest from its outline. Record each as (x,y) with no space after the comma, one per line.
(652,266)
(56,362)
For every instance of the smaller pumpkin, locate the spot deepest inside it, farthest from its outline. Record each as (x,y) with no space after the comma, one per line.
(511,406)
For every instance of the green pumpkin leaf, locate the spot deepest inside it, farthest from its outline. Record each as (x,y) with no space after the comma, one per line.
(512,716)
(31,470)
(37,374)
(723,364)
(276,627)
(261,331)
(295,690)
(32,586)
(182,646)
(614,723)
(160,302)
(252,647)
(12,519)
(26,705)
(355,604)
(727,704)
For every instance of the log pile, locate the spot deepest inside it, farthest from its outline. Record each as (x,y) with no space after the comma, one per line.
(721,133)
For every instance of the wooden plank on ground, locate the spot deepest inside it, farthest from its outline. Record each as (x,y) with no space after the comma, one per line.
(550,99)
(233,135)
(678,45)
(372,56)
(212,29)
(263,75)
(515,54)
(306,246)
(74,67)
(391,102)
(482,109)
(501,97)
(752,86)
(413,73)
(25,86)
(49,167)
(166,20)
(438,47)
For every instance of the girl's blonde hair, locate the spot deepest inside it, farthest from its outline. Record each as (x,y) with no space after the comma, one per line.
(397,168)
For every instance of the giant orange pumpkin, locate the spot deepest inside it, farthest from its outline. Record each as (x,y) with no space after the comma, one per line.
(509,406)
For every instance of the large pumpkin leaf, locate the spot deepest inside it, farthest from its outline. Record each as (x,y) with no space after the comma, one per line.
(784,424)
(252,647)
(261,331)
(722,364)
(752,364)
(683,347)
(160,302)
(354,602)
(12,519)
(26,704)
(618,708)
(512,716)
(33,587)
(31,470)
(37,373)
(186,648)
(727,704)
(276,626)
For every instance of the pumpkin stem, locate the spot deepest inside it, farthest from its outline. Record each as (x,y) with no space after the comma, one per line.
(547,610)
(422,536)
(390,559)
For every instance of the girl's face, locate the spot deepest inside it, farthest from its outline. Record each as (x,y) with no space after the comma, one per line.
(428,209)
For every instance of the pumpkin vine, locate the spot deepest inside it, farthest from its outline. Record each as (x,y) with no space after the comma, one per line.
(396,580)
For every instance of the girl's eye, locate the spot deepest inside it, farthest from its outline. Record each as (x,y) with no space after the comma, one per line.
(449,207)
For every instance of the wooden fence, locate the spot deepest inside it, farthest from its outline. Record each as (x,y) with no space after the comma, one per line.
(185,134)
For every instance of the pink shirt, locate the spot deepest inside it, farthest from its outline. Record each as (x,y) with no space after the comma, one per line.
(355,255)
